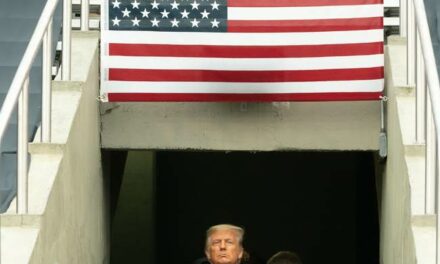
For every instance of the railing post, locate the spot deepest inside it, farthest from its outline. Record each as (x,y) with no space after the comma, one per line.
(403,17)
(437,206)
(430,160)
(84,15)
(420,94)
(22,72)
(67,45)
(22,151)
(437,203)
(411,44)
(46,86)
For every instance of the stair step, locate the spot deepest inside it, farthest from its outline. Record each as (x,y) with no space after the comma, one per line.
(406,114)
(423,220)
(416,173)
(92,2)
(42,174)
(46,148)
(94,23)
(17,244)
(405,91)
(399,61)
(423,227)
(64,100)
(17,220)
(415,150)
(18,20)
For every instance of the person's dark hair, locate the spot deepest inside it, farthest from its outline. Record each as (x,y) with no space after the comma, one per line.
(284,257)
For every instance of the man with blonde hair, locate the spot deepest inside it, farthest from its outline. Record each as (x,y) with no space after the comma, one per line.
(224,244)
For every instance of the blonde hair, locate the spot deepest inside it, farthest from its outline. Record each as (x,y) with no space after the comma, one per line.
(212,229)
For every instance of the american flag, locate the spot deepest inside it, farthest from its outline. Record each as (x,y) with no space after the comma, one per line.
(242,50)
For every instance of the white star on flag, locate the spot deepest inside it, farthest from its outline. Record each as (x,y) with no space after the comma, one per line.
(116,21)
(155,22)
(145,13)
(175,23)
(185,14)
(175,5)
(155,5)
(215,23)
(195,5)
(195,23)
(126,13)
(135,21)
(215,5)
(205,14)
(165,13)
(116,4)
(135,4)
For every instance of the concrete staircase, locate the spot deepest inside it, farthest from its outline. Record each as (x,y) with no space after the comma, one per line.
(402,100)
(17,22)
(66,220)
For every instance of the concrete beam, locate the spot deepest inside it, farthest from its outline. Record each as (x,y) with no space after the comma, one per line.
(241,126)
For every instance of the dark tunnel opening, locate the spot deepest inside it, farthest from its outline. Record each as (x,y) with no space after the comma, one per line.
(322,205)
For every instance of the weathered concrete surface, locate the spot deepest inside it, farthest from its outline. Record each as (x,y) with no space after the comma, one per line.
(424,230)
(74,225)
(397,241)
(68,212)
(17,244)
(242,126)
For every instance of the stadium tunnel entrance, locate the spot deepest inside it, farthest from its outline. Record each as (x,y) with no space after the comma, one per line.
(322,205)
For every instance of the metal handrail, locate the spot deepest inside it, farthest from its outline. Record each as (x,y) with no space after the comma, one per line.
(67,44)
(85,15)
(422,73)
(19,89)
(25,65)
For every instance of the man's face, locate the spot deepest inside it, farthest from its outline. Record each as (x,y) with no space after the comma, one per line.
(224,247)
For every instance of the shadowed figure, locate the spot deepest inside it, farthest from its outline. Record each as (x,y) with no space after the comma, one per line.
(285,257)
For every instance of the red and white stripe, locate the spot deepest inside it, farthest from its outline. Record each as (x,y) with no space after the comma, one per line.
(277,50)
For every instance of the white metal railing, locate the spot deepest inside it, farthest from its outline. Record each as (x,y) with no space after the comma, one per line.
(19,89)
(422,74)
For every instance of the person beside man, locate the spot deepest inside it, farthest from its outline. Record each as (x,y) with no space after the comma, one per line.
(284,257)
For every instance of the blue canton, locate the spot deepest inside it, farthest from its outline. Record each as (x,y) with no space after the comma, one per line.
(168,15)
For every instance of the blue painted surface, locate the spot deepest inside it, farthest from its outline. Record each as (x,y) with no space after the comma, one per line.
(433,13)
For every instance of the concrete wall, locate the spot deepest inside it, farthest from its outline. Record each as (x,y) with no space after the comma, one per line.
(396,242)
(132,234)
(241,126)
(74,224)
